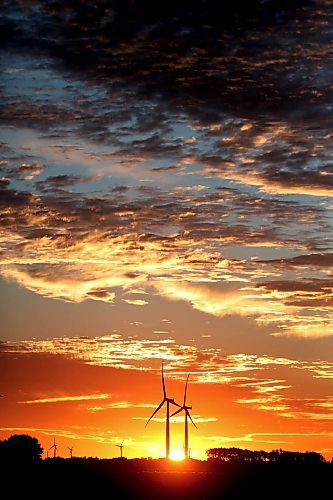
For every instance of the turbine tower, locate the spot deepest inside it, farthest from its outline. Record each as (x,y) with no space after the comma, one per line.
(186,409)
(70,451)
(121,446)
(168,402)
(54,446)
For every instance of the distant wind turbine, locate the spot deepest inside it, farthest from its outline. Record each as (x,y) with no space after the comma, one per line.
(54,447)
(121,446)
(186,409)
(168,402)
(70,451)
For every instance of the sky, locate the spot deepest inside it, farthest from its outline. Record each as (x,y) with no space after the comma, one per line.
(166,195)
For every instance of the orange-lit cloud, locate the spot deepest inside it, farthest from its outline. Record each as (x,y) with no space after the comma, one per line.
(120,405)
(93,435)
(86,397)
(121,251)
(254,375)
(136,302)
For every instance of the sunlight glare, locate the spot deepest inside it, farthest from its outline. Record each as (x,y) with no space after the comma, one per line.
(177,455)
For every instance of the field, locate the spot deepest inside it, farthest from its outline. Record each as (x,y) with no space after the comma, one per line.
(161,480)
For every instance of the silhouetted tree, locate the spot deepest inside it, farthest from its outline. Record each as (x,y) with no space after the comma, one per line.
(238,455)
(21,448)
(296,457)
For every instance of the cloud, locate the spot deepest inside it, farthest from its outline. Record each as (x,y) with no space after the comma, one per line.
(210,365)
(62,181)
(236,173)
(260,382)
(119,351)
(216,300)
(28,171)
(300,409)
(62,399)
(136,302)
(266,437)
(98,257)
(120,405)
(94,434)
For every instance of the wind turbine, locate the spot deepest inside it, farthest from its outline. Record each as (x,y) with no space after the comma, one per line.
(168,402)
(54,446)
(70,451)
(186,409)
(121,446)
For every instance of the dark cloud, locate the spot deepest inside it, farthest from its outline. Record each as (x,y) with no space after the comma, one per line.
(315,285)
(4,182)
(198,217)
(312,260)
(12,199)
(302,293)
(61,181)
(203,118)
(132,72)
(201,57)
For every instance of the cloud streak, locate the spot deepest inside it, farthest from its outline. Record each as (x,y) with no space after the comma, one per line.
(64,399)
(265,383)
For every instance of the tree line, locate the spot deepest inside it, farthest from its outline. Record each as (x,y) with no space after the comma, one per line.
(275,456)
(25,448)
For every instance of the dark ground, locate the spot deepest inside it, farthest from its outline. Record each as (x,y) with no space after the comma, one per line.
(156,479)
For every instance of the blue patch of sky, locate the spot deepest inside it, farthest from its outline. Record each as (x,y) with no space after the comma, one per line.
(35,79)
(246,252)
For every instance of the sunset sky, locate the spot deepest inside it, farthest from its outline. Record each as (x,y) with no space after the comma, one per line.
(166,193)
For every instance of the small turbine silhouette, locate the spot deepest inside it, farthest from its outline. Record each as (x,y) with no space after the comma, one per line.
(121,446)
(54,447)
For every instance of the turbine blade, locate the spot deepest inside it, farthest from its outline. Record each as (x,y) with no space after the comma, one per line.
(177,411)
(175,404)
(186,390)
(157,409)
(163,383)
(189,416)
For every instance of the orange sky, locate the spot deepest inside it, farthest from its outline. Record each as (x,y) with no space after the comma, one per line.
(166,195)
(242,400)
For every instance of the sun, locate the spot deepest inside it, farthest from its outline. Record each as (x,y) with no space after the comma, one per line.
(177,455)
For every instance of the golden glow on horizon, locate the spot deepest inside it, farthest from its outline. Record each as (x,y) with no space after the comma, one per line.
(263,385)
(177,455)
